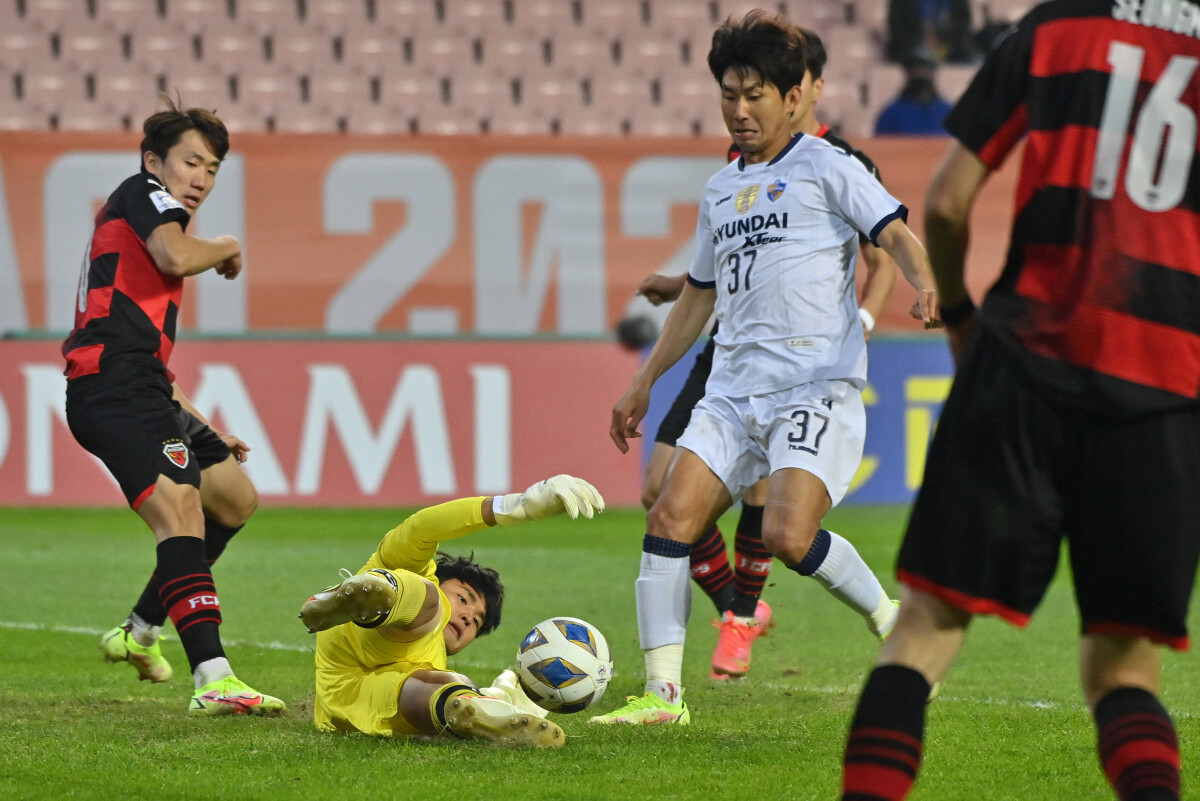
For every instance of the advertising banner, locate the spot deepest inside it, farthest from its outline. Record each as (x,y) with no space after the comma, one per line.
(448,236)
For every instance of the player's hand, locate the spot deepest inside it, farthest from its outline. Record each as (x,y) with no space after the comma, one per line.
(238,448)
(926,308)
(552,496)
(230,268)
(660,289)
(626,416)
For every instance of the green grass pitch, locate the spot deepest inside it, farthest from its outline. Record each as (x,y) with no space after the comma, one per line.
(1009,724)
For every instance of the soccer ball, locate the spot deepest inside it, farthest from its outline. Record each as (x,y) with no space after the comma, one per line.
(564,664)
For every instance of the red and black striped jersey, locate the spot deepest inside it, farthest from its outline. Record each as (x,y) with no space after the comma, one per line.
(126,309)
(1100,293)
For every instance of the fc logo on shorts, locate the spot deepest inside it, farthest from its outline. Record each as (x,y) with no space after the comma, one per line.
(177,452)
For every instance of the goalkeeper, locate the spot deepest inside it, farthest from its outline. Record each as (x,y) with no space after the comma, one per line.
(383,635)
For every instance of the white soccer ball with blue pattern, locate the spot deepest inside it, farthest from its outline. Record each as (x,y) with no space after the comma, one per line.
(564,664)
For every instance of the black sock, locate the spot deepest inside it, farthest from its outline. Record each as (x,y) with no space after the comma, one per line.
(883,752)
(710,569)
(1139,751)
(188,594)
(149,607)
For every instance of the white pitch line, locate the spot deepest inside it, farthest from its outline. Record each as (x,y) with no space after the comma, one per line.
(276,645)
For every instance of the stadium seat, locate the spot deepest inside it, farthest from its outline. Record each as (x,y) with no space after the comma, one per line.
(409,94)
(126,15)
(84,115)
(371,49)
(442,120)
(301,48)
(335,16)
(550,96)
(681,17)
(265,16)
(613,17)
(659,121)
(199,89)
(482,90)
(85,45)
(582,53)
(406,17)
(127,91)
(264,89)
(50,15)
(195,16)
(475,18)
(21,45)
(884,82)
(335,90)
(376,120)
(21,117)
(545,17)
(591,121)
(47,87)
(159,48)
(306,120)
(649,54)
(517,121)
(230,47)
(437,52)
(509,54)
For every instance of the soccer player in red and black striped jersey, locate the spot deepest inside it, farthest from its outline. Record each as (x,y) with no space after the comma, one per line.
(123,407)
(1074,413)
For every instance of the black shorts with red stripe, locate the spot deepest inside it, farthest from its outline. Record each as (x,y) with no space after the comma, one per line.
(1012,473)
(133,425)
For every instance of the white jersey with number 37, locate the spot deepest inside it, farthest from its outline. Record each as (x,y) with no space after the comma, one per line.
(779,241)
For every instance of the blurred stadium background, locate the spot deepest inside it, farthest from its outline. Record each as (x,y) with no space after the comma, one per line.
(445,205)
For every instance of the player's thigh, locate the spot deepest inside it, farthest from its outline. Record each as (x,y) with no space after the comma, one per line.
(416,694)
(656,470)
(1132,506)
(133,427)
(173,510)
(756,495)
(227,493)
(719,435)
(819,427)
(985,532)
(692,498)
(796,502)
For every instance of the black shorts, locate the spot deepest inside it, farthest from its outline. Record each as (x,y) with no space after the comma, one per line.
(676,419)
(1011,474)
(139,431)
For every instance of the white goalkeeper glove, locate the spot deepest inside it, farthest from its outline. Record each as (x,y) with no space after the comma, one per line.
(547,498)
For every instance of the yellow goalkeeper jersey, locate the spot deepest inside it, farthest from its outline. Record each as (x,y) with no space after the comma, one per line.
(360,671)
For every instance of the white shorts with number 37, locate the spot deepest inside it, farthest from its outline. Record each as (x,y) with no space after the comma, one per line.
(818,427)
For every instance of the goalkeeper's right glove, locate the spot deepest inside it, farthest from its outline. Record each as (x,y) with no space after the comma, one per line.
(547,498)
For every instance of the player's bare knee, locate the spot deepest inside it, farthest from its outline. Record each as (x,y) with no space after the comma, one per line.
(649,495)
(789,543)
(669,520)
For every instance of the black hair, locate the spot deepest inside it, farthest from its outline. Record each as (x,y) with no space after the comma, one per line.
(765,43)
(162,130)
(814,52)
(483,580)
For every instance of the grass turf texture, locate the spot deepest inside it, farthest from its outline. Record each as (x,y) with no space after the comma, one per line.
(1009,723)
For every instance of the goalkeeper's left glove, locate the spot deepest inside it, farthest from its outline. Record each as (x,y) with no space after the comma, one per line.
(547,498)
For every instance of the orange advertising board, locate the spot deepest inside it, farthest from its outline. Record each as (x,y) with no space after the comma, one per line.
(445,236)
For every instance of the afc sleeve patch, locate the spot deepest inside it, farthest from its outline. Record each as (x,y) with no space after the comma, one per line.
(164,202)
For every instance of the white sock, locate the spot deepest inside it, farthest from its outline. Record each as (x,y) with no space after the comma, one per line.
(142,632)
(664,668)
(847,577)
(211,670)
(664,600)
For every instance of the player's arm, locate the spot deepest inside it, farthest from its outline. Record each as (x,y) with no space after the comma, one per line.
(237,447)
(659,289)
(948,206)
(877,288)
(683,325)
(902,245)
(177,253)
(414,543)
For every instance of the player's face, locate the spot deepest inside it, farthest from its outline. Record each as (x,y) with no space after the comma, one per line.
(805,117)
(189,170)
(757,115)
(467,609)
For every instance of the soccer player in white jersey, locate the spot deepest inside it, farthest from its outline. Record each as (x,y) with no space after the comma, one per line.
(776,246)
